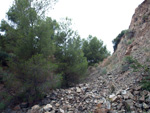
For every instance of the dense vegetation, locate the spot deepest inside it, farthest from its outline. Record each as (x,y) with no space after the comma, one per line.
(38,54)
(94,50)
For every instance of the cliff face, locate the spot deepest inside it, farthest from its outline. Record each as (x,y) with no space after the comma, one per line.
(137,41)
(136,44)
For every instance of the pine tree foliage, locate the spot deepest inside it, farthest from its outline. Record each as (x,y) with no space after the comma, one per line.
(71,61)
(118,39)
(29,38)
(94,50)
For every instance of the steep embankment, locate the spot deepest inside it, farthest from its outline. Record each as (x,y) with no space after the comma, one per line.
(118,90)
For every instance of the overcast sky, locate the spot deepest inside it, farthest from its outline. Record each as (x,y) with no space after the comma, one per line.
(104,19)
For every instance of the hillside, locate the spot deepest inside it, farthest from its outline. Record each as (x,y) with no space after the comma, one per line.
(112,87)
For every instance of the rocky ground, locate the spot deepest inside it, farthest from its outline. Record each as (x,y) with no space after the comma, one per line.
(100,94)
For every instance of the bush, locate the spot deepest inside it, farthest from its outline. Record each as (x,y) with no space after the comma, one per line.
(96,65)
(104,71)
(2,105)
(129,59)
(145,69)
(130,41)
(4,58)
(5,99)
(31,77)
(146,83)
(117,40)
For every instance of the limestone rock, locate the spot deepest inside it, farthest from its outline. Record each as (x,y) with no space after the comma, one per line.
(48,107)
(145,106)
(35,109)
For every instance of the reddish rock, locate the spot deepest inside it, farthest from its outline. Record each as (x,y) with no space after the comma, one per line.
(16,108)
(103,110)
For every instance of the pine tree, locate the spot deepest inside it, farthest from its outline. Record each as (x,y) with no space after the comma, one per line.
(94,50)
(71,61)
(28,36)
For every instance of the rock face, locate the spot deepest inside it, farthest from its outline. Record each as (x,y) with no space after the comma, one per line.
(136,42)
(118,91)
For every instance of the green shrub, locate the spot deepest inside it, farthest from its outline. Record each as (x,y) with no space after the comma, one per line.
(129,59)
(145,18)
(2,105)
(96,65)
(128,33)
(31,77)
(145,69)
(5,99)
(146,83)
(117,40)
(104,71)
(130,41)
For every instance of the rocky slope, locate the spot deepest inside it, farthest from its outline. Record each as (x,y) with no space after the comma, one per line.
(118,91)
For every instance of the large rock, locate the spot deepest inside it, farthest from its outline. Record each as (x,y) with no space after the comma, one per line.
(113,97)
(35,109)
(48,107)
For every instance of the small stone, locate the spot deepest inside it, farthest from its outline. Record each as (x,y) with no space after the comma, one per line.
(123,92)
(148,111)
(24,105)
(57,104)
(102,110)
(142,98)
(35,109)
(16,108)
(136,92)
(144,92)
(101,101)
(114,104)
(61,110)
(138,105)
(108,105)
(145,106)
(113,97)
(69,91)
(130,95)
(130,103)
(125,96)
(138,88)
(48,107)
(78,90)
(118,92)
(95,101)
(148,99)
(70,111)
(80,108)
(119,106)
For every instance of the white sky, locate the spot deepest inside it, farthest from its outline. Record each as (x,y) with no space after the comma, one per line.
(104,19)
